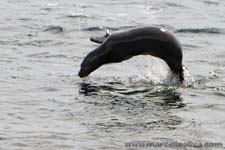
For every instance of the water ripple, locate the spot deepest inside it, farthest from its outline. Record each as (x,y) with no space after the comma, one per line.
(165,96)
(165,123)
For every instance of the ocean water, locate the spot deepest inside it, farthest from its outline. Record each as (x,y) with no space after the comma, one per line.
(45,105)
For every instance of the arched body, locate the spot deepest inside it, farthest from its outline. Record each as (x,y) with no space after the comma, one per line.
(139,41)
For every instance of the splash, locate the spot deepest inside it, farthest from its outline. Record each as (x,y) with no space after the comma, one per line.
(165,77)
(188,78)
(141,71)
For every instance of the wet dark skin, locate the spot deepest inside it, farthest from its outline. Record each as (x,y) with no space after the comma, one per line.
(121,46)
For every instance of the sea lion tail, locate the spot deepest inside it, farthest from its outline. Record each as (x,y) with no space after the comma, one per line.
(100,39)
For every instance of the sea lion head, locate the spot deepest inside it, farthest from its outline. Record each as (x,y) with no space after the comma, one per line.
(92,61)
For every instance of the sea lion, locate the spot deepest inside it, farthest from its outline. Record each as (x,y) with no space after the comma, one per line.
(121,46)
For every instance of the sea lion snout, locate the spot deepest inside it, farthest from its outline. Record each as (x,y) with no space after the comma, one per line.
(91,62)
(85,68)
(82,73)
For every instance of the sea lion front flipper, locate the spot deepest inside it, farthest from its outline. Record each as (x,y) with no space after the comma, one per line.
(100,39)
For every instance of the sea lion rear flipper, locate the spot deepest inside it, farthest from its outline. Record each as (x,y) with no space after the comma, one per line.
(100,39)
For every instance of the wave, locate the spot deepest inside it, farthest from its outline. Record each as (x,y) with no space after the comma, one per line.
(201,30)
(102,28)
(47,55)
(98,28)
(211,2)
(54,29)
(184,30)
(171,4)
(79,16)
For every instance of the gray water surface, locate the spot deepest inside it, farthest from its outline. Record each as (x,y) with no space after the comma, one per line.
(45,105)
